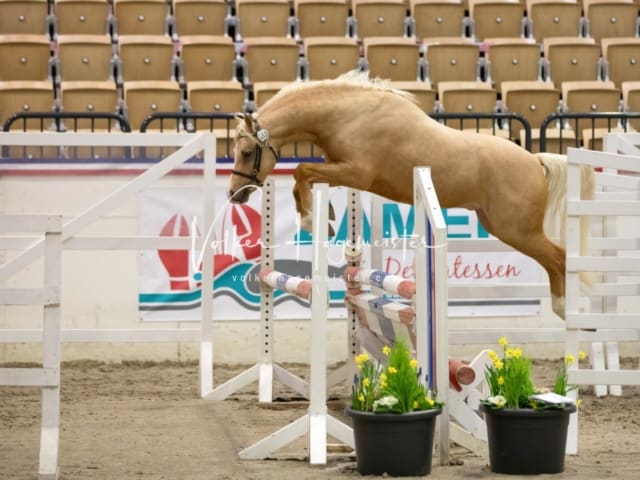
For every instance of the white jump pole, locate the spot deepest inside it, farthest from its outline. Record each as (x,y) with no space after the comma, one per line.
(317,423)
(432,303)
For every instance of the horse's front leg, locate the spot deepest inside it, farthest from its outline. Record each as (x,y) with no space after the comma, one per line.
(302,195)
(335,174)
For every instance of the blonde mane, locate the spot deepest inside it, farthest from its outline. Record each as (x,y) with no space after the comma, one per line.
(349,79)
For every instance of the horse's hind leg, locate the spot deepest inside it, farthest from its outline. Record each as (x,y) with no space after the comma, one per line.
(540,248)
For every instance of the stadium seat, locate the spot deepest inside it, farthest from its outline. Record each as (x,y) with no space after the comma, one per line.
(27,96)
(271,59)
(393,58)
(145,57)
(554,18)
(496,18)
(622,59)
(216,97)
(143,98)
(571,59)
(437,18)
(90,97)
(82,17)
(25,57)
(611,18)
(513,59)
(631,100)
(533,100)
(84,58)
(379,18)
(449,59)
(262,18)
(425,96)
(321,18)
(141,17)
(262,92)
(24,17)
(205,57)
(591,97)
(329,57)
(467,97)
(200,17)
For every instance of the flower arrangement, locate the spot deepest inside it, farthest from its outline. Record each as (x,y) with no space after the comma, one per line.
(510,382)
(396,388)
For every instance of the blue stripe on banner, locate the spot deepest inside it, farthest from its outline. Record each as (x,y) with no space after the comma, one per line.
(376,278)
(281,281)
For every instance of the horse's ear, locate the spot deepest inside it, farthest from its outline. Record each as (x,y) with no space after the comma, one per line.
(248,123)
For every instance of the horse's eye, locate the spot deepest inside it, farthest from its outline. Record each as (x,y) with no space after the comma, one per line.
(246,154)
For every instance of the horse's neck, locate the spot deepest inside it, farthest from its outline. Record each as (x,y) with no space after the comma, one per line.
(300,115)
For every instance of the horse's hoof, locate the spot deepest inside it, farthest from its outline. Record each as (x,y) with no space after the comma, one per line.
(332,212)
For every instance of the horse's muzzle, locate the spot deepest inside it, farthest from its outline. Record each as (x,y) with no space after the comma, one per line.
(240,196)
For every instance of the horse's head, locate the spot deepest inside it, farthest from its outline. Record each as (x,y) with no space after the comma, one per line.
(254,158)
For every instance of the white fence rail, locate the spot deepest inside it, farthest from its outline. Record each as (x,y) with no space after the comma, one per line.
(48,296)
(614,261)
(190,144)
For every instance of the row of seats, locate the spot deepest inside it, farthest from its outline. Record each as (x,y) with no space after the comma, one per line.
(532,100)
(198,58)
(478,19)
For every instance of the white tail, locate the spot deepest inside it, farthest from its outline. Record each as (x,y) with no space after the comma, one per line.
(555,218)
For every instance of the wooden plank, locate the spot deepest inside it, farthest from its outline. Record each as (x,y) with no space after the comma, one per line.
(602,264)
(30,296)
(30,223)
(129,243)
(29,377)
(603,159)
(604,377)
(603,207)
(603,320)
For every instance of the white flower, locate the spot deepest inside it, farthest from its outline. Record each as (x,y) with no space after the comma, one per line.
(498,400)
(388,401)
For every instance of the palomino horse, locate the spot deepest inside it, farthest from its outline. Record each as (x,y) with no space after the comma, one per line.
(373,136)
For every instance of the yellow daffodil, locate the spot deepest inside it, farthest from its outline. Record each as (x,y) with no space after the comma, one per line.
(429,401)
(386,350)
(517,352)
(415,404)
(360,359)
(499,364)
(492,355)
(361,397)
(582,355)
(503,341)
(392,370)
(569,359)
(578,402)
(413,363)
(366,382)
(500,380)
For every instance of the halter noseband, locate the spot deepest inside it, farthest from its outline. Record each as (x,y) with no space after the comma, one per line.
(262,140)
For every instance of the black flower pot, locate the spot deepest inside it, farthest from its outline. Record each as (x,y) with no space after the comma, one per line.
(396,444)
(525,441)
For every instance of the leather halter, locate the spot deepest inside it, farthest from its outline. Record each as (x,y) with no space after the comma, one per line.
(262,140)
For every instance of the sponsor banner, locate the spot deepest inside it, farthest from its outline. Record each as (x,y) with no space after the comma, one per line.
(170,287)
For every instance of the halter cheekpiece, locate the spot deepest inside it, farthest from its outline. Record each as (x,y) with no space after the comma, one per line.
(262,140)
